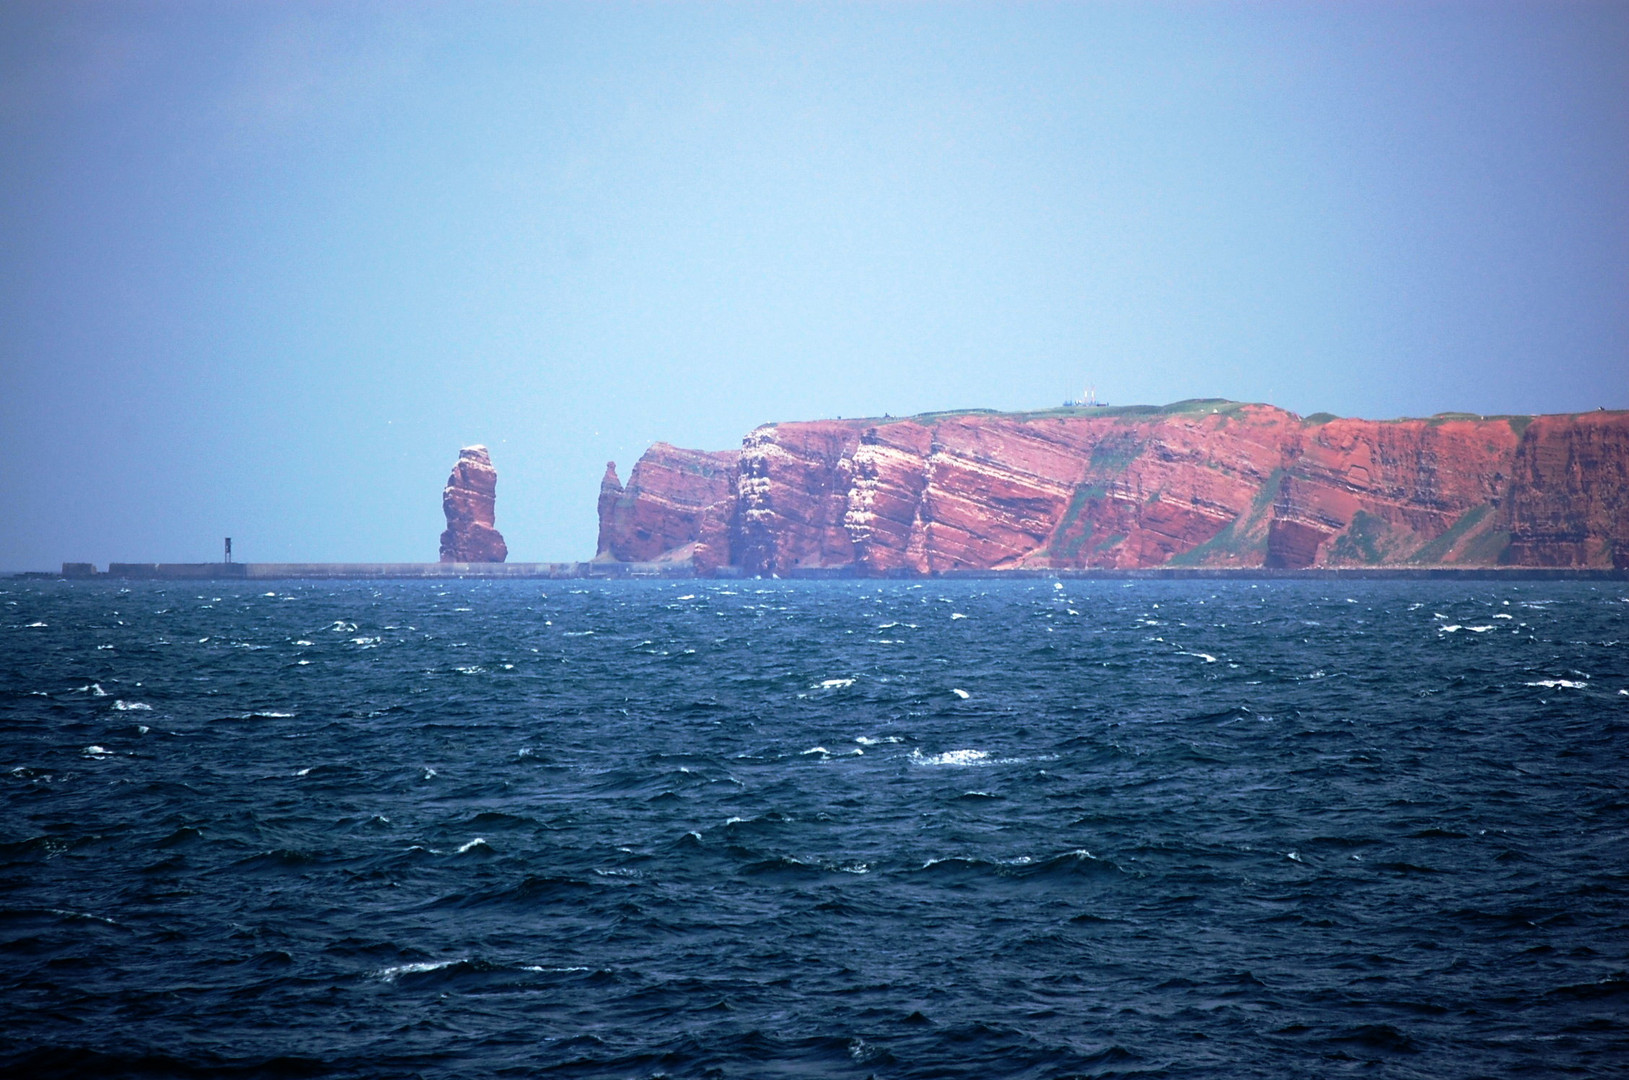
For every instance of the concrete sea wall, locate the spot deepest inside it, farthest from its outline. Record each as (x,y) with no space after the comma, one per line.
(368,571)
(601,569)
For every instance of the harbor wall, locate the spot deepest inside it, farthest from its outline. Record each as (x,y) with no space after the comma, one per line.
(601,569)
(370,571)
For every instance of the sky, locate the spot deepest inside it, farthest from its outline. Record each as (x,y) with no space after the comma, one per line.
(266,267)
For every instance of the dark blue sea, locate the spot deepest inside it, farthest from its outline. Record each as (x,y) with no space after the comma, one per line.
(814,829)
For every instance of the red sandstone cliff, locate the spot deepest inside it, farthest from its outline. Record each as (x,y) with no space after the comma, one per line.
(1567,505)
(679,504)
(1202,483)
(467,501)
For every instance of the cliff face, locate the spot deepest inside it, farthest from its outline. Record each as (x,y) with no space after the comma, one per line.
(1366,493)
(1202,483)
(679,504)
(1568,484)
(467,501)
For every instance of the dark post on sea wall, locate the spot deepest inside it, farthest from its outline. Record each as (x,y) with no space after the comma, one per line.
(467,501)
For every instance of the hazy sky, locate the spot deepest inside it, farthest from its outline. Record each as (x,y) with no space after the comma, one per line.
(265,267)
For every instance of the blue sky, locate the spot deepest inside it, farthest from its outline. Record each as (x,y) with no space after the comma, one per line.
(265,267)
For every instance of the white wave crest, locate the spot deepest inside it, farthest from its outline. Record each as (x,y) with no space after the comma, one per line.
(391,974)
(951,757)
(539,969)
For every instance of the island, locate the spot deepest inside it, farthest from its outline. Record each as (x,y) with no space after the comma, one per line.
(1204,484)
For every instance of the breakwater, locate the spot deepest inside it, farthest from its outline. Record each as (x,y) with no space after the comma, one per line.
(370,571)
(677,569)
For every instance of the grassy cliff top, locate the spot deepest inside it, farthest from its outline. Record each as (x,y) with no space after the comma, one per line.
(1190,407)
(1187,407)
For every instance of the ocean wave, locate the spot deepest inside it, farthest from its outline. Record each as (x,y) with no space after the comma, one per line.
(955,758)
(609,862)
(396,971)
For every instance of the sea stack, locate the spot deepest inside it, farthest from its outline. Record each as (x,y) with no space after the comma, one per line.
(610,491)
(467,501)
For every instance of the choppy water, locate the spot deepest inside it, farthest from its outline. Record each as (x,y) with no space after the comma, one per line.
(842,829)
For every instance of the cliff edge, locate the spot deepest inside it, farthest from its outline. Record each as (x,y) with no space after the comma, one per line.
(1198,483)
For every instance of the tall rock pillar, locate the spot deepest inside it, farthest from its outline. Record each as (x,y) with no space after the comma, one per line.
(467,501)
(610,491)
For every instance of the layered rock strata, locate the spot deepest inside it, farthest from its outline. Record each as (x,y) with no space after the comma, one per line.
(678,504)
(1199,483)
(1567,505)
(468,500)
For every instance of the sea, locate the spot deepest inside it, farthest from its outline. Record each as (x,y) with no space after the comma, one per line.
(761,829)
